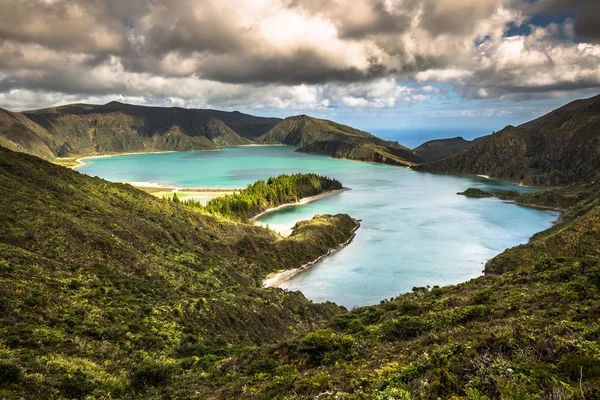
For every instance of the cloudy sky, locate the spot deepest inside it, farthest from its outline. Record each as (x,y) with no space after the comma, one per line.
(375,64)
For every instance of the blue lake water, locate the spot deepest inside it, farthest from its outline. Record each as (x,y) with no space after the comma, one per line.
(415,230)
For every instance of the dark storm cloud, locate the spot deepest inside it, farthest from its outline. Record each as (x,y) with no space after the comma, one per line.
(362,18)
(82,26)
(587,21)
(303,66)
(456,17)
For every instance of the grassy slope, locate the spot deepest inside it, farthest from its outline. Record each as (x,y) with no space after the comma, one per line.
(327,137)
(528,329)
(105,288)
(81,129)
(19,133)
(557,149)
(117,127)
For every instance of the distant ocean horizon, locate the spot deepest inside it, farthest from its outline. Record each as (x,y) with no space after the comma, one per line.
(415,137)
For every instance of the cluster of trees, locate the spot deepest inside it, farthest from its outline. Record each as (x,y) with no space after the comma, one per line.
(262,195)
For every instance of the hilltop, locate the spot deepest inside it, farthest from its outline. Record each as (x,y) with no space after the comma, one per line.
(435,150)
(557,149)
(321,136)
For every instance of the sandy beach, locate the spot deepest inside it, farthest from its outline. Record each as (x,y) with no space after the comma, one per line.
(161,191)
(303,201)
(82,162)
(283,276)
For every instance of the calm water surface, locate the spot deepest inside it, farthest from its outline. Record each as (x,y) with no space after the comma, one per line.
(415,230)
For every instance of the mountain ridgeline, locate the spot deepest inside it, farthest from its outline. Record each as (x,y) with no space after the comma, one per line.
(435,150)
(557,149)
(81,129)
(321,136)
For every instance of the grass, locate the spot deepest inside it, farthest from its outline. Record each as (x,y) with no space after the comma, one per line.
(109,292)
(107,289)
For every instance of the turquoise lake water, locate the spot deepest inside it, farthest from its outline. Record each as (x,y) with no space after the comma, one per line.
(415,230)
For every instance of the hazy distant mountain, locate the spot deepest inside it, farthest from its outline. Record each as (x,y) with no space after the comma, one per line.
(321,136)
(435,150)
(559,148)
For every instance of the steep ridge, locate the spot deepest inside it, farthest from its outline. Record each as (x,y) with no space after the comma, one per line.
(115,127)
(106,289)
(435,150)
(19,133)
(320,136)
(83,129)
(557,149)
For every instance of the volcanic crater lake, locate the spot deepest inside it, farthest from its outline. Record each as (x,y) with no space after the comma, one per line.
(415,230)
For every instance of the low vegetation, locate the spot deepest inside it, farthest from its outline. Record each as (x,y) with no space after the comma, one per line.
(109,292)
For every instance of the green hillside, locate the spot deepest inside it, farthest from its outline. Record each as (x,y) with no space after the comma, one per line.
(106,289)
(558,149)
(320,136)
(19,133)
(435,150)
(81,129)
(108,292)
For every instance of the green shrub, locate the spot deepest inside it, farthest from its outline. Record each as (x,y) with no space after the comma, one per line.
(594,275)
(76,385)
(391,393)
(482,296)
(151,374)
(325,346)
(9,373)
(263,365)
(583,367)
(403,328)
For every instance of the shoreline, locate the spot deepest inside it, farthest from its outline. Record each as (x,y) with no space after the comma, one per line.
(81,160)
(83,163)
(283,276)
(305,200)
(183,193)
